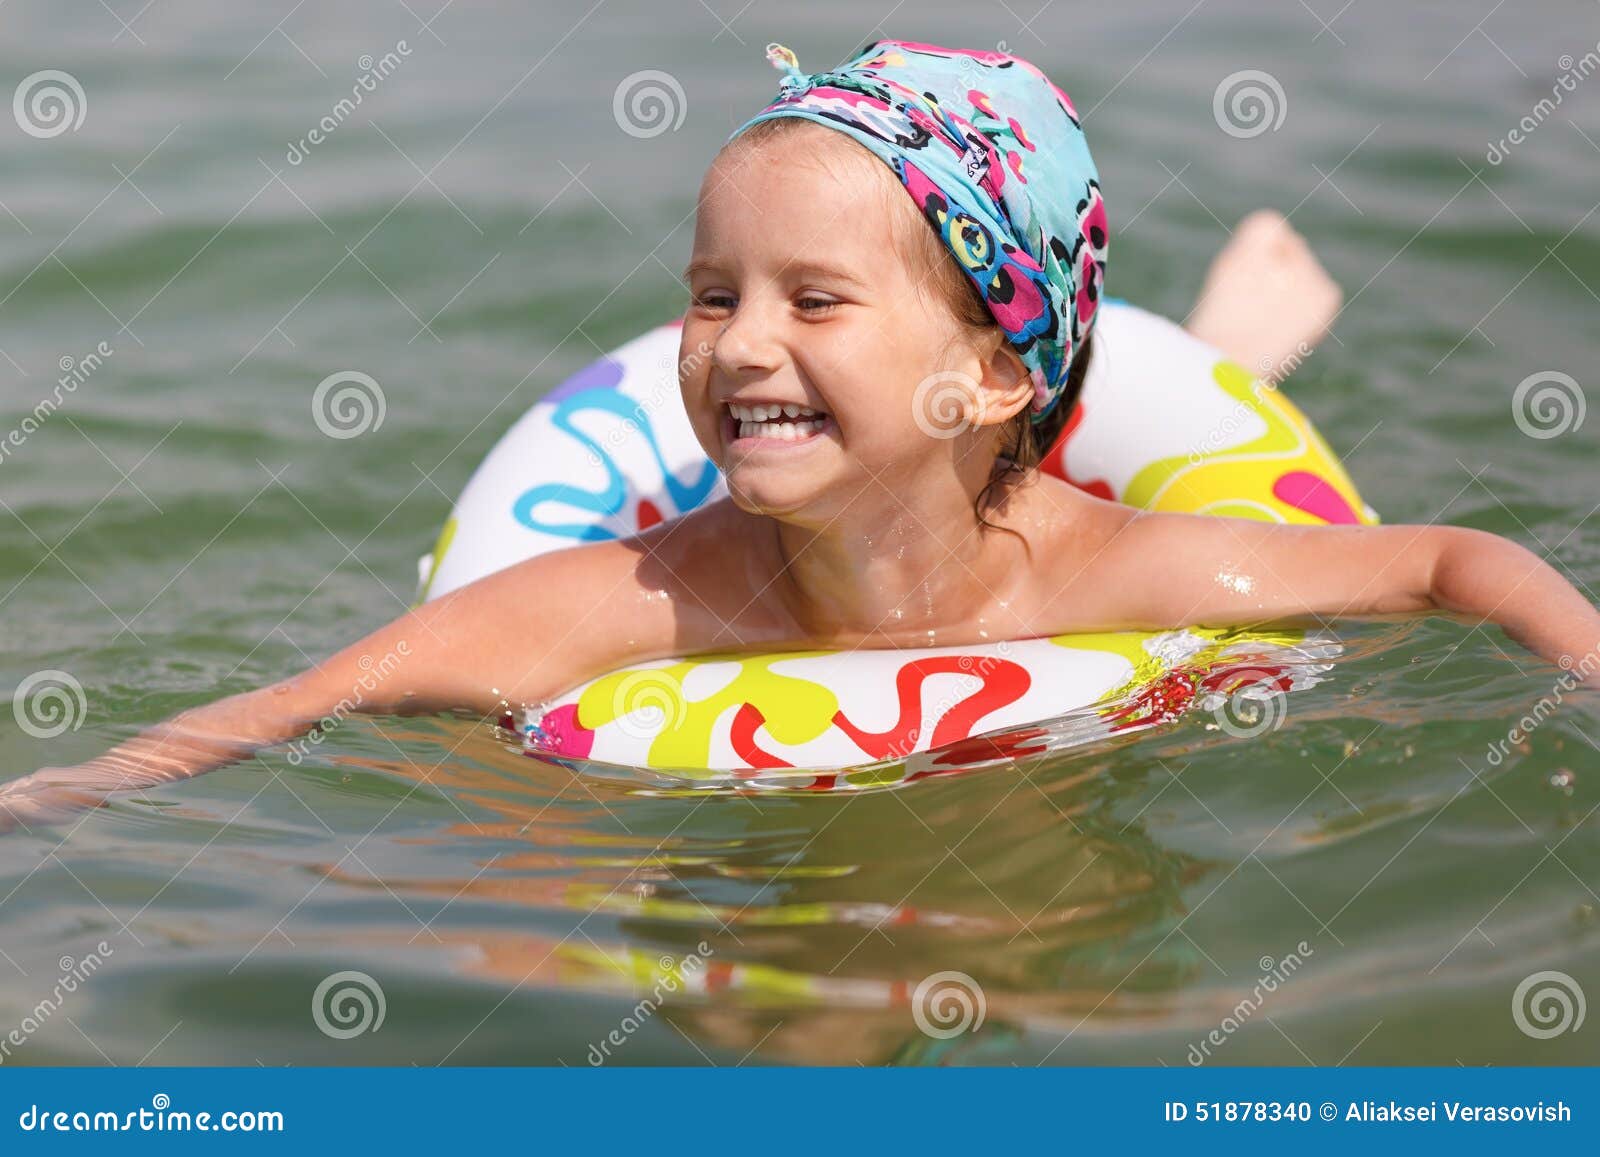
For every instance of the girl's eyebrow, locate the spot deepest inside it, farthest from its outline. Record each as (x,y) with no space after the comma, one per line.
(820,268)
(694,267)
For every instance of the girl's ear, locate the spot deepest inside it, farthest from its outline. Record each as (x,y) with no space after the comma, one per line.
(1005,386)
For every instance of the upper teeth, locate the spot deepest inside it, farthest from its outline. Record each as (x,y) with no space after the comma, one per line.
(771,410)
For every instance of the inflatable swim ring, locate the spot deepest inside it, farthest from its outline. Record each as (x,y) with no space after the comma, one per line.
(1165,422)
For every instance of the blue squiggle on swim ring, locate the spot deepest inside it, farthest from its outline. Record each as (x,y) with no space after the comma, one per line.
(614,498)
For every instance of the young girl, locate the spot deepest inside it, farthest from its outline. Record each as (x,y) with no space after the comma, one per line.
(919,215)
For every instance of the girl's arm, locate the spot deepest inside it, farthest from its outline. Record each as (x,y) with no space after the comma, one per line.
(519,636)
(1162,570)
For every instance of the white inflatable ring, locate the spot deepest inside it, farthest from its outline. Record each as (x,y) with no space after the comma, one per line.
(1164,422)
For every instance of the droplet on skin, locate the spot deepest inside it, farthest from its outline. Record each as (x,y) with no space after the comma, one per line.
(1235,581)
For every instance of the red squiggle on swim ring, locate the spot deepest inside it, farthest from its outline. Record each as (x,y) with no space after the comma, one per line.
(743,737)
(1005,682)
(1055,461)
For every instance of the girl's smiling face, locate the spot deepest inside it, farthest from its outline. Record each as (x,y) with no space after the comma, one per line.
(808,333)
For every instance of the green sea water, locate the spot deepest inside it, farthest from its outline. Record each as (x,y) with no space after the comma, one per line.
(478,227)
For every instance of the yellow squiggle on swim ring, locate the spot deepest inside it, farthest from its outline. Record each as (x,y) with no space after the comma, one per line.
(795,710)
(1145,667)
(1179,483)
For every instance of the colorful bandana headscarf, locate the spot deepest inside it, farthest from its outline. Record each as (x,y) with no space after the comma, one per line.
(995,158)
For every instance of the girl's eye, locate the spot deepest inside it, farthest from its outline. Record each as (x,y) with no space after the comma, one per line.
(714,300)
(815,304)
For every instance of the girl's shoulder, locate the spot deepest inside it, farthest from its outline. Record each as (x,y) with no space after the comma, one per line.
(554,621)
(699,582)
(1061,520)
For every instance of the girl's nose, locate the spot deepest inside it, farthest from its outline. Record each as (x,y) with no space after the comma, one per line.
(746,344)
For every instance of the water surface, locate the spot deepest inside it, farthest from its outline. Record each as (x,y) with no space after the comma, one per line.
(479,228)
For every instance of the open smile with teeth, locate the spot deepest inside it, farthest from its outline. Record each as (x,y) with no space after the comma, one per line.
(785,421)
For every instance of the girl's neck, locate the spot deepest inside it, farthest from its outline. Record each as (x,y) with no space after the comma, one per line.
(900,566)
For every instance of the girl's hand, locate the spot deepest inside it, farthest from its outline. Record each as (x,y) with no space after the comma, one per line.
(513,636)
(48,796)
(1156,570)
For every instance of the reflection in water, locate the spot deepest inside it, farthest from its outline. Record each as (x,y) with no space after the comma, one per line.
(818,917)
(1113,901)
